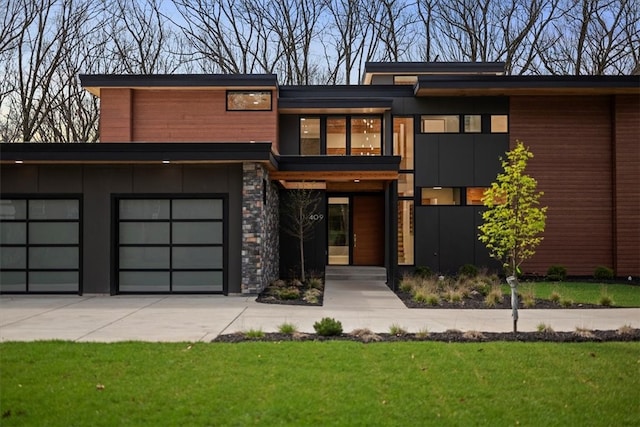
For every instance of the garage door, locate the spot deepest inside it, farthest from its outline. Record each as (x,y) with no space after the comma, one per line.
(40,245)
(171,245)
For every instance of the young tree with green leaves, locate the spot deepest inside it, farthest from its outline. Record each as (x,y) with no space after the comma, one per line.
(513,220)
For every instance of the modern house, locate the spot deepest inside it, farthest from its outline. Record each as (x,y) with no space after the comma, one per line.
(188,187)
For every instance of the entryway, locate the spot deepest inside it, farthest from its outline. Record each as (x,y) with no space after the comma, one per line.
(356,229)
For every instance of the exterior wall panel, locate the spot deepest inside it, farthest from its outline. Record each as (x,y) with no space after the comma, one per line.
(627,185)
(570,138)
(115,115)
(198,116)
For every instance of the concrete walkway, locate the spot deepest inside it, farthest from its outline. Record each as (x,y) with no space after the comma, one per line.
(357,304)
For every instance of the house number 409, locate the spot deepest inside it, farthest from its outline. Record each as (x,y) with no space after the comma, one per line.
(316,217)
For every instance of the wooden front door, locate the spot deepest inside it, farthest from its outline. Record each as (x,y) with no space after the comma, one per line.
(368,229)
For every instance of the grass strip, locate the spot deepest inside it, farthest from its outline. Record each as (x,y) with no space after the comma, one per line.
(319,383)
(583,292)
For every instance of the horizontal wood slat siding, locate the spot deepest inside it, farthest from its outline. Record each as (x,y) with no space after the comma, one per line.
(570,138)
(115,115)
(627,185)
(197,116)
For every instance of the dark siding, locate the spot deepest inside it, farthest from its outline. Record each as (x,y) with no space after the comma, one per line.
(486,162)
(98,183)
(457,237)
(427,153)
(315,245)
(289,135)
(427,237)
(456,160)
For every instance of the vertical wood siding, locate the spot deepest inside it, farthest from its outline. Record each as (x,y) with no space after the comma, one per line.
(627,185)
(571,139)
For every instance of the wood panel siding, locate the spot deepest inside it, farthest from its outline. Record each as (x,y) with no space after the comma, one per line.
(627,185)
(571,139)
(181,116)
(115,115)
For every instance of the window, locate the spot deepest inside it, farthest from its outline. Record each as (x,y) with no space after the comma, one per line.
(309,136)
(341,135)
(366,136)
(405,185)
(405,80)
(474,195)
(440,124)
(244,100)
(171,245)
(337,136)
(40,245)
(406,235)
(439,196)
(403,141)
(499,124)
(473,123)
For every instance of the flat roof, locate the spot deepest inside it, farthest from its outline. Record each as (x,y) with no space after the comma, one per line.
(425,68)
(492,85)
(94,82)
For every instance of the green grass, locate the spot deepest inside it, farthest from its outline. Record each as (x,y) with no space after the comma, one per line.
(580,292)
(319,383)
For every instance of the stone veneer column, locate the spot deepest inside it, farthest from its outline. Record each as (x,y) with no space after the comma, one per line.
(260,232)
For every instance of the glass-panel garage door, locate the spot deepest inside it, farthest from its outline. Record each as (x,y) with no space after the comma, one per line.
(171,245)
(40,245)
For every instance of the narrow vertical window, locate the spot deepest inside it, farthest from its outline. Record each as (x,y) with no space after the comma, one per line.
(337,136)
(309,136)
(406,236)
(366,134)
(403,141)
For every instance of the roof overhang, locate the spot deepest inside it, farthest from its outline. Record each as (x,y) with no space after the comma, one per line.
(334,105)
(95,82)
(137,153)
(326,169)
(430,68)
(487,85)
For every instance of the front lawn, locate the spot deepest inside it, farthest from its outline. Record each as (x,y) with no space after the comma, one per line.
(319,383)
(584,292)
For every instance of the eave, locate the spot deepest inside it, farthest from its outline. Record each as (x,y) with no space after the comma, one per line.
(137,153)
(334,105)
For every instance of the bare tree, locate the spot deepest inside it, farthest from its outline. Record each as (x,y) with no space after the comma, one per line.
(298,213)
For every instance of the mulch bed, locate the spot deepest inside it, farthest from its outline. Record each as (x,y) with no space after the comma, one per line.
(449,337)
(477,302)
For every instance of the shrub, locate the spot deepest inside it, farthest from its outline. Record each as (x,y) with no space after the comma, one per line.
(473,335)
(328,327)
(625,330)
(484,288)
(278,283)
(584,333)
(287,328)
(556,273)
(423,333)
(605,300)
(547,329)
(494,297)
(397,330)
(288,293)
(555,296)
(566,302)
(407,284)
(468,270)
(312,295)
(422,271)
(603,273)
(315,283)
(453,295)
(254,334)
(366,335)
(529,299)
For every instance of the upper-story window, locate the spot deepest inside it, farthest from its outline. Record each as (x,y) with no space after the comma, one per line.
(471,123)
(341,135)
(248,100)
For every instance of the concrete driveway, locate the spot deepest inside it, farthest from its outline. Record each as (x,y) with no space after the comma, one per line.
(372,305)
